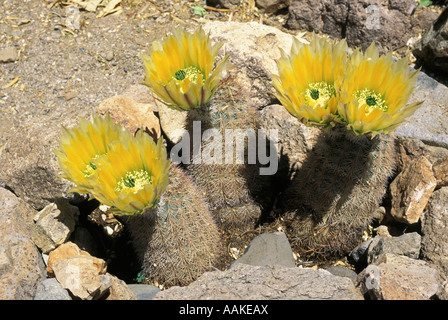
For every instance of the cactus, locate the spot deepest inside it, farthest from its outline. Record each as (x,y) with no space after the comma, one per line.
(336,192)
(178,240)
(233,190)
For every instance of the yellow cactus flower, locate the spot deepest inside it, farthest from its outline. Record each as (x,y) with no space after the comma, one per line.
(181,70)
(132,175)
(81,146)
(375,92)
(308,80)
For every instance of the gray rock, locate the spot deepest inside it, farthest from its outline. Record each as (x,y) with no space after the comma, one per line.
(397,277)
(435,234)
(54,224)
(341,271)
(21,264)
(358,255)
(275,282)
(429,122)
(407,244)
(144,291)
(268,249)
(360,22)
(51,289)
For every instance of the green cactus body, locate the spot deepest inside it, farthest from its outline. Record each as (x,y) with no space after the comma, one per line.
(233,189)
(334,195)
(177,241)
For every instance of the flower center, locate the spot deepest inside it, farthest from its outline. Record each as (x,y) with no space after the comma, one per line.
(192,73)
(133,181)
(90,168)
(371,100)
(319,93)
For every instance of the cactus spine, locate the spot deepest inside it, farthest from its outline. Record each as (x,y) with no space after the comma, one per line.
(334,195)
(177,241)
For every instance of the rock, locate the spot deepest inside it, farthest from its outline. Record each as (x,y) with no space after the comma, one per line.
(131,115)
(144,291)
(141,94)
(21,264)
(275,282)
(397,277)
(67,250)
(268,249)
(407,244)
(254,48)
(84,240)
(341,271)
(79,274)
(358,256)
(9,54)
(295,139)
(424,20)
(435,234)
(411,149)
(432,49)
(272,6)
(51,289)
(172,122)
(34,178)
(118,289)
(227,4)
(411,190)
(360,22)
(54,225)
(428,123)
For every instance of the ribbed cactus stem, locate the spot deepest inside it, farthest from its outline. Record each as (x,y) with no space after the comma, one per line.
(232,188)
(177,241)
(336,192)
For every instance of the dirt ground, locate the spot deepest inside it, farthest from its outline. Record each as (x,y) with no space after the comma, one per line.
(64,62)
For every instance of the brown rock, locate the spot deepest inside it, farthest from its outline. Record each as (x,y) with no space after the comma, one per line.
(397,277)
(411,149)
(411,190)
(118,289)
(254,48)
(67,250)
(271,6)
(79,274)
(131,114)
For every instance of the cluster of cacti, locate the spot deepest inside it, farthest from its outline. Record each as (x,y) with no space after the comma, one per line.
(358,99)
(334,195)
(177,241)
